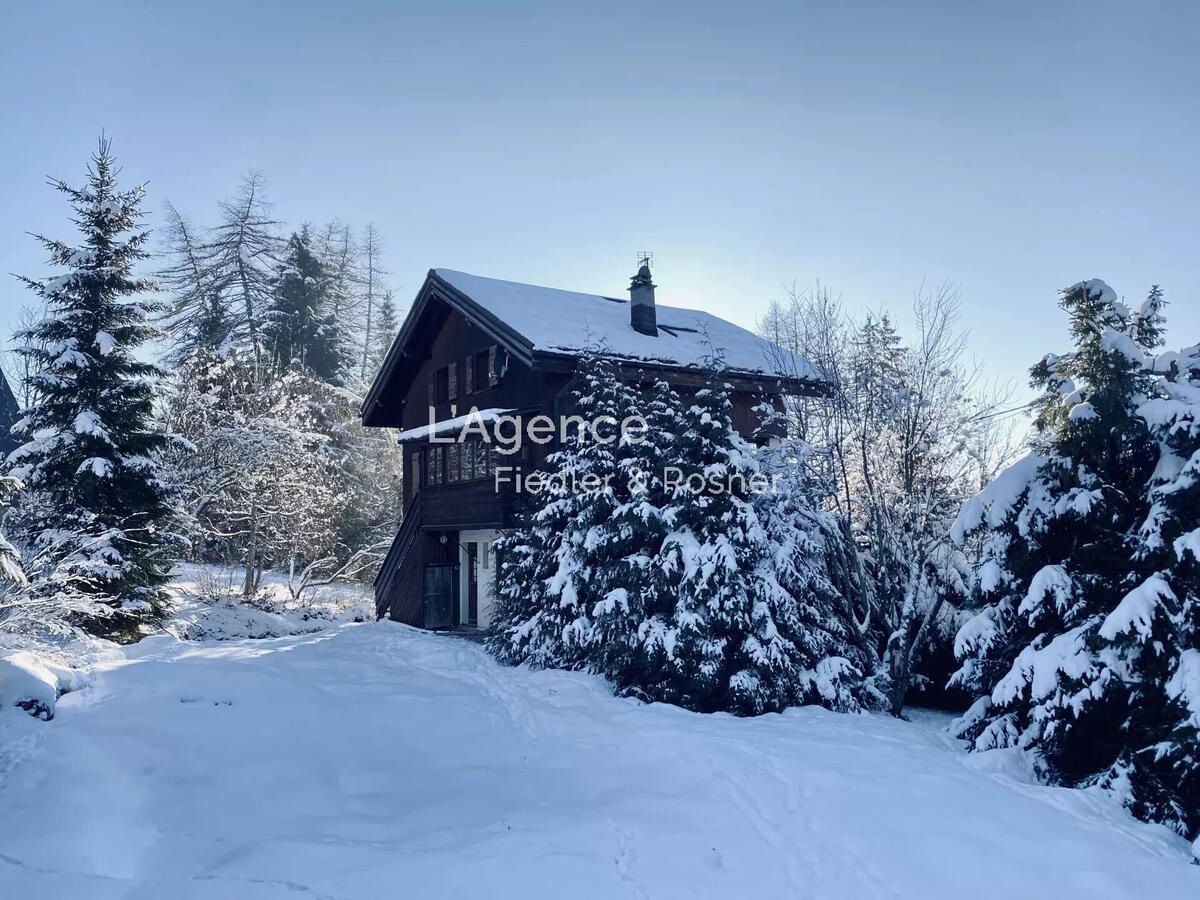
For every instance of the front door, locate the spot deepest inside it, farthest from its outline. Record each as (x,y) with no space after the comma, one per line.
(441,596)
(472,583)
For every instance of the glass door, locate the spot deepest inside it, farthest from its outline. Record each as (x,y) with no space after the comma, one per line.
(441,596)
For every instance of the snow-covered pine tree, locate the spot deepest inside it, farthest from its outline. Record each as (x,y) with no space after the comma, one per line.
(552,627)
(1082,651)
(810,552)
(1151,641)
(631,633)
(732,648)
(96,513)
(300,326)
(10,556)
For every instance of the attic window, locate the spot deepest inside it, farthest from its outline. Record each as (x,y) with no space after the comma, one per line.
(480,370)
(441,385)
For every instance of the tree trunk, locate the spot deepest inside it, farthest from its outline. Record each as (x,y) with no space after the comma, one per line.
(251,583)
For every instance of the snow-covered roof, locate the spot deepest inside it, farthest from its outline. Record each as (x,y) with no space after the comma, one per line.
(449,426)
(557,321)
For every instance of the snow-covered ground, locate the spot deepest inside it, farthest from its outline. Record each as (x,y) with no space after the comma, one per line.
(372,761)
(208,605)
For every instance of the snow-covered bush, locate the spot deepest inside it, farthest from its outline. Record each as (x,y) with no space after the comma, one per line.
(209,605)
(1086,646)
(277,473)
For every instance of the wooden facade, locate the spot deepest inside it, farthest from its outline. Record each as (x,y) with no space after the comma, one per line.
(450,357)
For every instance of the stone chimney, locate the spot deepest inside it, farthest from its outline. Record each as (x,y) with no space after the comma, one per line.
(641,302)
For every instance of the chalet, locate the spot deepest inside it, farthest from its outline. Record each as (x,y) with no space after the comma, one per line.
(10,411)
(509,349)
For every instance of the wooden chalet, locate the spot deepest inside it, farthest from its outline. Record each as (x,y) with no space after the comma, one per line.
(508,348)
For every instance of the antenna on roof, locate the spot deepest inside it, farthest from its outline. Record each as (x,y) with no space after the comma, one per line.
(645,258)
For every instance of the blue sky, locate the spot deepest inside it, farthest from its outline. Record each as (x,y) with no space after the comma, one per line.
(1012,148)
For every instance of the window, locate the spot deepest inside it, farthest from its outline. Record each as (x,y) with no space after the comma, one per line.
(468,461)
(480,372)
(453,455)
(443,384)
(437,466)
(479,450)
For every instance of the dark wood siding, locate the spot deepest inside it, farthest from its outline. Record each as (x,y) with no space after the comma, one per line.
(456,342)
(468,504)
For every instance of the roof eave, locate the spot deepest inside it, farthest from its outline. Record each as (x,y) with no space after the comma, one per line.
(562,361)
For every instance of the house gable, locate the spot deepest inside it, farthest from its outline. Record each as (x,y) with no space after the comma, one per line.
(444,358)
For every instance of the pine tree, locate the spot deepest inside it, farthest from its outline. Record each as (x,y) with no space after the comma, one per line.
(372,318)
(198,317)
(1151,642)
(579,500)
(239,259)
(384,331)
(96,511)
(10,556)
(702,595)
(632,627)
(810,550)
(1084,650)
(729,652)
(300,328)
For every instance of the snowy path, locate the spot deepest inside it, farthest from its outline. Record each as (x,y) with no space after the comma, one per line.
(374,761)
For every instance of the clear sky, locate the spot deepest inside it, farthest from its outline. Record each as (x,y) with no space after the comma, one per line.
(1011,147)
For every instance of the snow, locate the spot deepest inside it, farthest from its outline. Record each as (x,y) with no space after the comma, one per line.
(97,465)
(1042,668)
(1184,684)
(88,422)
(1188,542)
(568,322)
(208,605)
(25,681)
(33,682)
(1123,344)
(1050,582)
(105,343)
(1082,412)
(993,503)
(374,760)
(1135,613)
(450,426)
(978,632)
(1096,288)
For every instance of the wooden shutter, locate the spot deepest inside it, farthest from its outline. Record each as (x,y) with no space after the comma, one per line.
(453,381)
(412,478)
(469,375)
(432,386)
(492,379)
